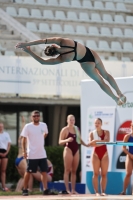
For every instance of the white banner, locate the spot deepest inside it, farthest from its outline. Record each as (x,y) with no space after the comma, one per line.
(107,114)
(26,76)
(123,116)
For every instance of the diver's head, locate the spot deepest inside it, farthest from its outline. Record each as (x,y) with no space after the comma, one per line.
(50,51)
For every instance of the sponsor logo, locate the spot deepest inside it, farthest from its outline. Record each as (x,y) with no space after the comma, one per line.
(90,116)
(121,161)
(123,130)
(103,114)
(106,123)
(90,123)
(88,163)
(88,152)
(127,105)
(88,156)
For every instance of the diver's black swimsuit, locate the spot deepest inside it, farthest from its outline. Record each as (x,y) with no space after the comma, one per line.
(88,55)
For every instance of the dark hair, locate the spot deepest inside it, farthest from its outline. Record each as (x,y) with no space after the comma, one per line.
(50,51)
(100,120)
(36,112)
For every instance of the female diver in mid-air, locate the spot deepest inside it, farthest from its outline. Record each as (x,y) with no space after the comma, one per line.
(69,50)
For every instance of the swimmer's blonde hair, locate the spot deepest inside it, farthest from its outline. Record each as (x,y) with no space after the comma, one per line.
(70,116)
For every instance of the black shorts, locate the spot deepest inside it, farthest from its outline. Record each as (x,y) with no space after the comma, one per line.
(33,164)
(3,151)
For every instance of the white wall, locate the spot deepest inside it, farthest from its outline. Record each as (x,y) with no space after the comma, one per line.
(93,96)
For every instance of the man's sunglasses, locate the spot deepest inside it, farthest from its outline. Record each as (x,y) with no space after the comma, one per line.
(35,115)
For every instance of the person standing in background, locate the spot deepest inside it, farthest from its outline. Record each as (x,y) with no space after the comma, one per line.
(129,160)
(100,158)
(71,139)
(34,134)
(5,144)
(21,164)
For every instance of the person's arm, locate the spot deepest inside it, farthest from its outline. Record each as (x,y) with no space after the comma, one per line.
(52,40)
(50,61)
(8,145)
(84,144)
(46,131)
(92,142)
(62,137)
(45,135)
(8,148)
(91,137)
(23,122)
(7,151)
(106,139)
(126,138)
(24,147)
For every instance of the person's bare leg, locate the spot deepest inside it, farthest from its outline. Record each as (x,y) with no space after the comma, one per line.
(73,171)
(110,79)
(49,178)
(37,176)
(44,180)
(129,167)
(92,72)
(104,170)
(96,167)
(30,183)
(20,184)
(21,170)
(22,167)
(68,158)
(26,180)
(4,162)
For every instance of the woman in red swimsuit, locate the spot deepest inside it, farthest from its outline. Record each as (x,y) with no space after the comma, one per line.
(71,152)
(100,159)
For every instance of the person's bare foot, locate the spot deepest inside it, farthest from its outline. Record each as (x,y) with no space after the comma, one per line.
(122,193)
(97,194)
(119,102)
(103,194)
(68,192)
(122,98)
(74,192)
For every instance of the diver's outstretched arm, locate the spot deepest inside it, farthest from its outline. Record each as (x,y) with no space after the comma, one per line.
(52,40)
(50,61)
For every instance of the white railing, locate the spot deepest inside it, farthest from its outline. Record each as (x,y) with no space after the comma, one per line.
(22,30)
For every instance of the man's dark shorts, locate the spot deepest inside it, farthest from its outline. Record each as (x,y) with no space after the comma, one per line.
(33,164)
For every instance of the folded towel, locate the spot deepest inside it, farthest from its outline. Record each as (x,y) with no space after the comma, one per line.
(78,138)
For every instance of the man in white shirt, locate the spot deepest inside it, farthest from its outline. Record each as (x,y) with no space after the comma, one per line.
(35,133)
(5,143)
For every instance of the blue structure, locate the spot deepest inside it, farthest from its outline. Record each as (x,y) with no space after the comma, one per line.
(114,183)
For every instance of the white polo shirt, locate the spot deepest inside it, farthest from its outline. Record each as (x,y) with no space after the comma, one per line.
(4,140)
(35,139)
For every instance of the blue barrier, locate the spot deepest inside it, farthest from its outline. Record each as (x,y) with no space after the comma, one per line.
(115,182)
(80,188)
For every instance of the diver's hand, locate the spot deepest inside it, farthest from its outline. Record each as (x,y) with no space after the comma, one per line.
(21,45)
(26,49)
